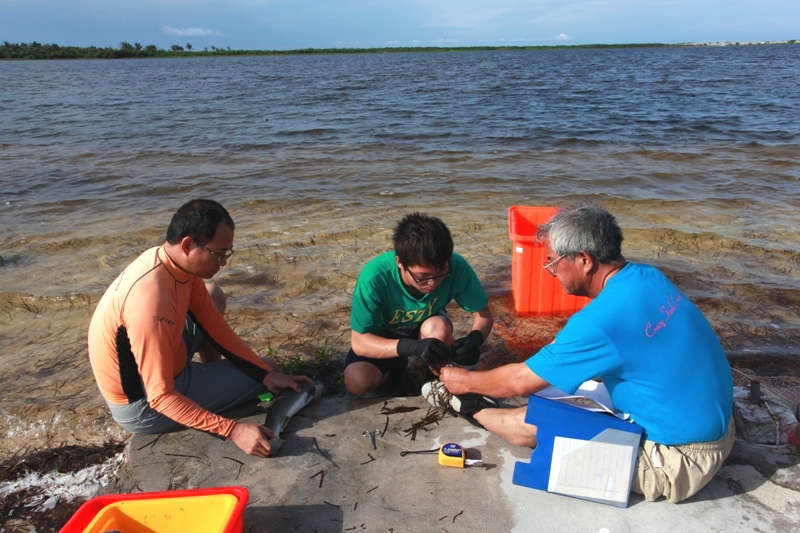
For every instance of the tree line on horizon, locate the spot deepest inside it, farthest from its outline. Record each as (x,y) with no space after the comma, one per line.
(36,50)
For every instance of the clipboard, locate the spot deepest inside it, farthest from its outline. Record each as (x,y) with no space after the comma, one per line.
(579,453)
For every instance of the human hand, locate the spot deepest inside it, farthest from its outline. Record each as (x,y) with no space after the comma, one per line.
(253,439)
(467,350)
(455,379)
(275,382)
(433,351)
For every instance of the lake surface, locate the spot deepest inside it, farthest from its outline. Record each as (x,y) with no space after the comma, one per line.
(696,150)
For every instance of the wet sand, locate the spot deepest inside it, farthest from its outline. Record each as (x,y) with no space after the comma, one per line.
(289,287)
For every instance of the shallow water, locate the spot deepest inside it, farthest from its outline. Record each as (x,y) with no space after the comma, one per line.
(696,150)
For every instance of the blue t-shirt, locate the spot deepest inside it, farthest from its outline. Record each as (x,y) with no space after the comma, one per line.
(381,303)
(655,352)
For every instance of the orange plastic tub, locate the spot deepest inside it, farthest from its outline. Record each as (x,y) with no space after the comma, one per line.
(535,291)
(216,510)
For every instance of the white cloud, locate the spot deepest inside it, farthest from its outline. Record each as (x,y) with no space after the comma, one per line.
(563,37)
(190,32)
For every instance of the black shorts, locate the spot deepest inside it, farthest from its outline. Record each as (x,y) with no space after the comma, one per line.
(390,364)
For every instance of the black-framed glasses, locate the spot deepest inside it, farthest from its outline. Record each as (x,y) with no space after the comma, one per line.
(220,257)
(430,279)
(550,266)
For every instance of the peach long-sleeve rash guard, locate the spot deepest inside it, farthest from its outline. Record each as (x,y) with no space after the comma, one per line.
(136,345)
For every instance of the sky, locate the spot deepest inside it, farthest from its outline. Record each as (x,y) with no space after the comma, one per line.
(294,24)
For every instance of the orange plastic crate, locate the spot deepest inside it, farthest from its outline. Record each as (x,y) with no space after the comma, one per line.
(219,510)
(535,291)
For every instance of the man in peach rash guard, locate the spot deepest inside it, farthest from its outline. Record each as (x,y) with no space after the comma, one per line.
(152,320)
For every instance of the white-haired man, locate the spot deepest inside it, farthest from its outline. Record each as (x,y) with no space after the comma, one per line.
(653,349)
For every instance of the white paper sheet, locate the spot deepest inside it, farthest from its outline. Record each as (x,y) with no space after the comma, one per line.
(591,469)
(591,395)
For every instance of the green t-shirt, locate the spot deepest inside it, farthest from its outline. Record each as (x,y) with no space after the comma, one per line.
(381,302)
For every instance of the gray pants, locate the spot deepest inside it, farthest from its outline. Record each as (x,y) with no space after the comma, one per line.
(216,387)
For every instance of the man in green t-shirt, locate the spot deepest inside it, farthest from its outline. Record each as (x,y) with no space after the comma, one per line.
(399,307)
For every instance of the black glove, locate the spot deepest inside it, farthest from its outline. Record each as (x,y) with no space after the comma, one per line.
(433,351)
(467,350)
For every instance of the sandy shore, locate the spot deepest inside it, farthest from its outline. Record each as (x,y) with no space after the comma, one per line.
(289,286)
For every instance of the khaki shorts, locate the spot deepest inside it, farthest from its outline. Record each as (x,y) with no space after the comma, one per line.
(678,472)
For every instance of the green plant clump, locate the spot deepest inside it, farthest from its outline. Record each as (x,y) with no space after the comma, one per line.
(322,356)
(13,260)
(291,365)
(319,366)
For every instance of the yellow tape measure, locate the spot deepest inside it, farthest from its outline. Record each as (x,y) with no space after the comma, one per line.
(450,454)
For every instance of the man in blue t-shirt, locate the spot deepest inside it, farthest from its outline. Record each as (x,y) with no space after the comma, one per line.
(399,307)
(650,345)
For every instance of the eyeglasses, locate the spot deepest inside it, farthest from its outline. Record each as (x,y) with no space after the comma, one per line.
(431,279)
(550,266)
(220,257)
